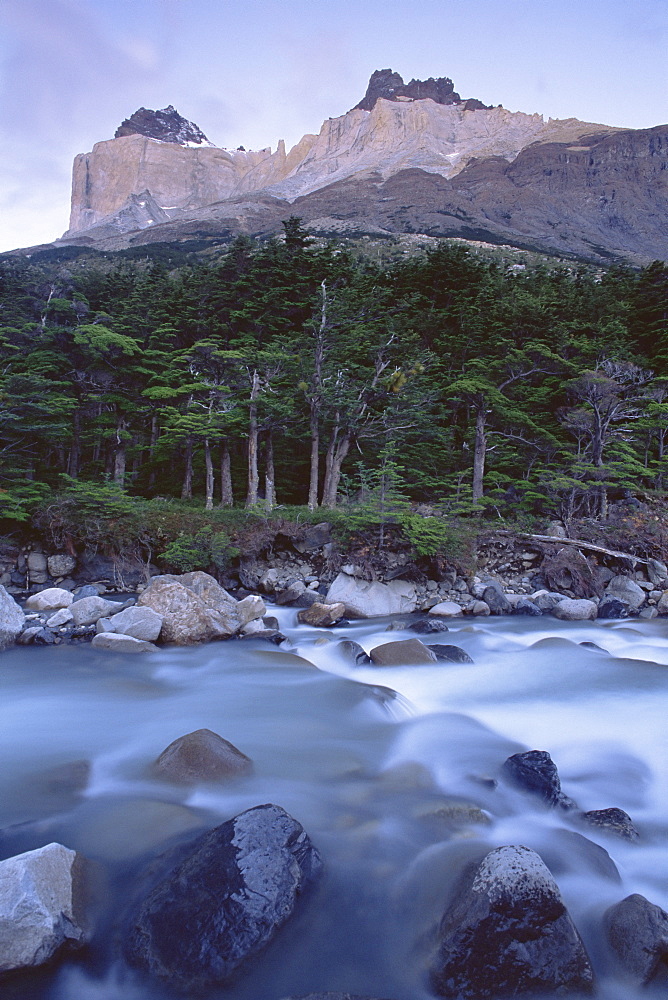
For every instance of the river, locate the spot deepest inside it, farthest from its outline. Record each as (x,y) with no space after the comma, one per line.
(389,770)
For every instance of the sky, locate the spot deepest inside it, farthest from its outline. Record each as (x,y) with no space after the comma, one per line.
(251,72)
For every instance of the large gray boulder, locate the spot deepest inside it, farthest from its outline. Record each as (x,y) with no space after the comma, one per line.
(250,609)
(637,931)
(368,599)
(187,619)
(89,609)
(138,622)
(12,619)
(572,610)
(224,902)
(201,756)
(50,599)
(627,590)
(114,642)
(41,906)
(508,933)
(60,565)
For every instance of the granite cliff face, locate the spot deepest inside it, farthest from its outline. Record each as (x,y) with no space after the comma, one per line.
(399,162)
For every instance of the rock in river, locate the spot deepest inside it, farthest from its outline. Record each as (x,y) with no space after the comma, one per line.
(41,896)
(637,931)
(508,933)
(201,756)
(225,901)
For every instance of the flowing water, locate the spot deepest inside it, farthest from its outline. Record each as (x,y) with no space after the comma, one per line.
(389,770)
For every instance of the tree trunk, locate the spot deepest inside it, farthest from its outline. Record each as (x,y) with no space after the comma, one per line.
(316,402)
(270,474)
(208,463)
(479,453)
(120,453)
(151,450)
(336,454)
(315,459)
(226,494)
(253,475)
(187,490)
(75,447)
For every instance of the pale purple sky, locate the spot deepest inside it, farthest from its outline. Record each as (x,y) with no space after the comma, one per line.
(250,72)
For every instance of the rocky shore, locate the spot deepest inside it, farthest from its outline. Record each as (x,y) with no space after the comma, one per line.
(63,601)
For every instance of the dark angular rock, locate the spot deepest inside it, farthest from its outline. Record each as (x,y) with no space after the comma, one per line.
(166,125)
(390,87)
(536,772)
(637,931)
(270,622)
(425,626)
(353,651)
(307,599)
(526,607)
(201,756)
(225,901)
(508,933)
(610,607)
(452,654)
(496,600)
(612,821)
(268,635)
(314,537)
(86,591)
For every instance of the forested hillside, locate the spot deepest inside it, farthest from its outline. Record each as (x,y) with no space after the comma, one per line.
(289,372)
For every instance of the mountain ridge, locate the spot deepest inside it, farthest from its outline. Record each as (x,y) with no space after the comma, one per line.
(562,185)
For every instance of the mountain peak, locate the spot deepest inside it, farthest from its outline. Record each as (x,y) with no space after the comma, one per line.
(166,125)
(386,84)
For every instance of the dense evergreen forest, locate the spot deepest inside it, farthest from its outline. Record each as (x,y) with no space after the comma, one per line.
(294,373)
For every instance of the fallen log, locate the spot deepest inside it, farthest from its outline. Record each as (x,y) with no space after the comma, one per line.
(613,553)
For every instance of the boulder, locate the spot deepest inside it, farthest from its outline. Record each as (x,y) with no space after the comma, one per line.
(117,643)
(321,615)
(50,599)
(60,565)
(138,622)
(451,654)
(201,756)
(448,609)
(225,901)
(545,600)
(213,596)
(526,607)
(627,590)
(89,609)
(534,771)
(61,617)
(477,608)
(662,606)
(88,590)
(657,571)
(352,650)
(401,653)
(426,626)
(250,609)
(251,628)
(366,599)
(508,933)
(37,567)
(612,607)
(314,537)
(186,618)
(614,821)
(571,610)
(496,600)
(291,593)
(637,931)
(12,619)
(41,906)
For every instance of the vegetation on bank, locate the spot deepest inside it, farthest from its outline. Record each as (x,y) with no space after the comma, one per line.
(172,405)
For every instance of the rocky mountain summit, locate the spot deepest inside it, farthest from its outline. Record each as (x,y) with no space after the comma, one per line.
(166,125)
(391,87)
(409,158)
